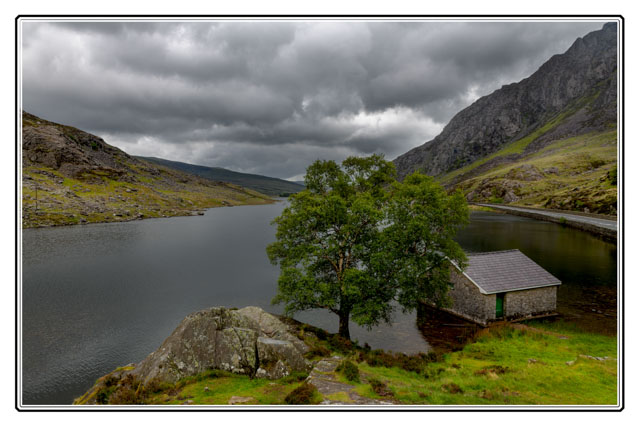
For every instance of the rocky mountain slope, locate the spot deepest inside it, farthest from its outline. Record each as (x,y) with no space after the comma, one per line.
(263,184)
(70,177)
(549,140)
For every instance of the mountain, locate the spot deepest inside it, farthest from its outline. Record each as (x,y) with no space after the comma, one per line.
(548,140)
(70,177)
(263,184)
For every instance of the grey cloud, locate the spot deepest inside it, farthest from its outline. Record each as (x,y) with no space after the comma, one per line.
(270,97)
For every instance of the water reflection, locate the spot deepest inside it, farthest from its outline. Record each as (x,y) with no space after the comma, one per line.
(99,296)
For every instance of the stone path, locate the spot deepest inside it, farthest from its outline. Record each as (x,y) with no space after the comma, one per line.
(324,378)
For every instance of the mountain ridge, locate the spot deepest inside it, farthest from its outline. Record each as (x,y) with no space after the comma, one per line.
(264,184)
(517,109)
(522,125)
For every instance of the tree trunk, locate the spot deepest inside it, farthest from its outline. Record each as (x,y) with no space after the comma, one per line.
(343,330)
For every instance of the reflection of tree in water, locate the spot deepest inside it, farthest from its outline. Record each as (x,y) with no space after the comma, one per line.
(444,331)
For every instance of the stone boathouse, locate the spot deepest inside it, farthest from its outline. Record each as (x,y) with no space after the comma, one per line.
(503,285)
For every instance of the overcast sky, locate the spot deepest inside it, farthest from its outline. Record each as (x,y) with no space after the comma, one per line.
(271,97)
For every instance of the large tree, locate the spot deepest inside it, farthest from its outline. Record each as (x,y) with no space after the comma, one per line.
(356,240)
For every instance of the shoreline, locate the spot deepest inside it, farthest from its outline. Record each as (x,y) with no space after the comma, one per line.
(565,218)
(195,212)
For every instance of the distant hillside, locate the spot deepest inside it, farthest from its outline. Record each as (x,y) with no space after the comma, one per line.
(263,184)
(549,140)
(71,177)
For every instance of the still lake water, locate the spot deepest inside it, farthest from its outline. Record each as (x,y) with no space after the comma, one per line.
(99,296)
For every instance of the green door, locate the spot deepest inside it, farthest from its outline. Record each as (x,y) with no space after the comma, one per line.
(499,305)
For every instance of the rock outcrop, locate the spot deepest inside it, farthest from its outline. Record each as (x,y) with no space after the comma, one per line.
(580,84)
(247,341)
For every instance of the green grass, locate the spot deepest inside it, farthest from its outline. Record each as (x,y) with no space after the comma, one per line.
(63,200)
(504,366)
(582,162)
(585,162)
(481,208)
(221,389)
(515,147)
(549,381)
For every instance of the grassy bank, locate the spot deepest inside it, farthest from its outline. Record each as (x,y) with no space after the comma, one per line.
(543,363)
(51,198)
(548,365)
(569,174)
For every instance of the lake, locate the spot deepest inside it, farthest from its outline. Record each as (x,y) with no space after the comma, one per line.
(99,296)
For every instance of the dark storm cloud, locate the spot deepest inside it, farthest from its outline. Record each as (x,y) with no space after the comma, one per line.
(270,97)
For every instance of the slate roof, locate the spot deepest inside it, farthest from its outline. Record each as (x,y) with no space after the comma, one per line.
(505,271)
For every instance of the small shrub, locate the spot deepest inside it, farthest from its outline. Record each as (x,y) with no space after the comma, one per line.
(433,373)
(494,369)
(596,163)
(452,388)
(341,344)
(110,380)
(380,388)
(496,200)
(321,334)
(318,351)
(612,175)
(102,397)
(129,392)
(295,377)
(302,395)
(379,358)
(486,394)
(414,363)
(349,370)
(157,386)
(432,356)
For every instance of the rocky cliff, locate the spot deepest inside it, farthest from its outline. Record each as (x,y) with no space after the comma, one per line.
(571,95)
(70,177)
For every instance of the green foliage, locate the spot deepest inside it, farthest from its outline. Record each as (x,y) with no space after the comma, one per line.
(130,391)
(349,370)
(303,395)
(414,363)
(295,377)
(380,388)
(340,344)
(612,175)
(356,239)
(317,351)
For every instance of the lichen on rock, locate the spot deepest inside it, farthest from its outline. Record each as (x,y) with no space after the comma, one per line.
(247,341)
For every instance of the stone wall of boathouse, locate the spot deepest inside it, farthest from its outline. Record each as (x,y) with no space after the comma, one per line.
(468,302)
(529,302)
